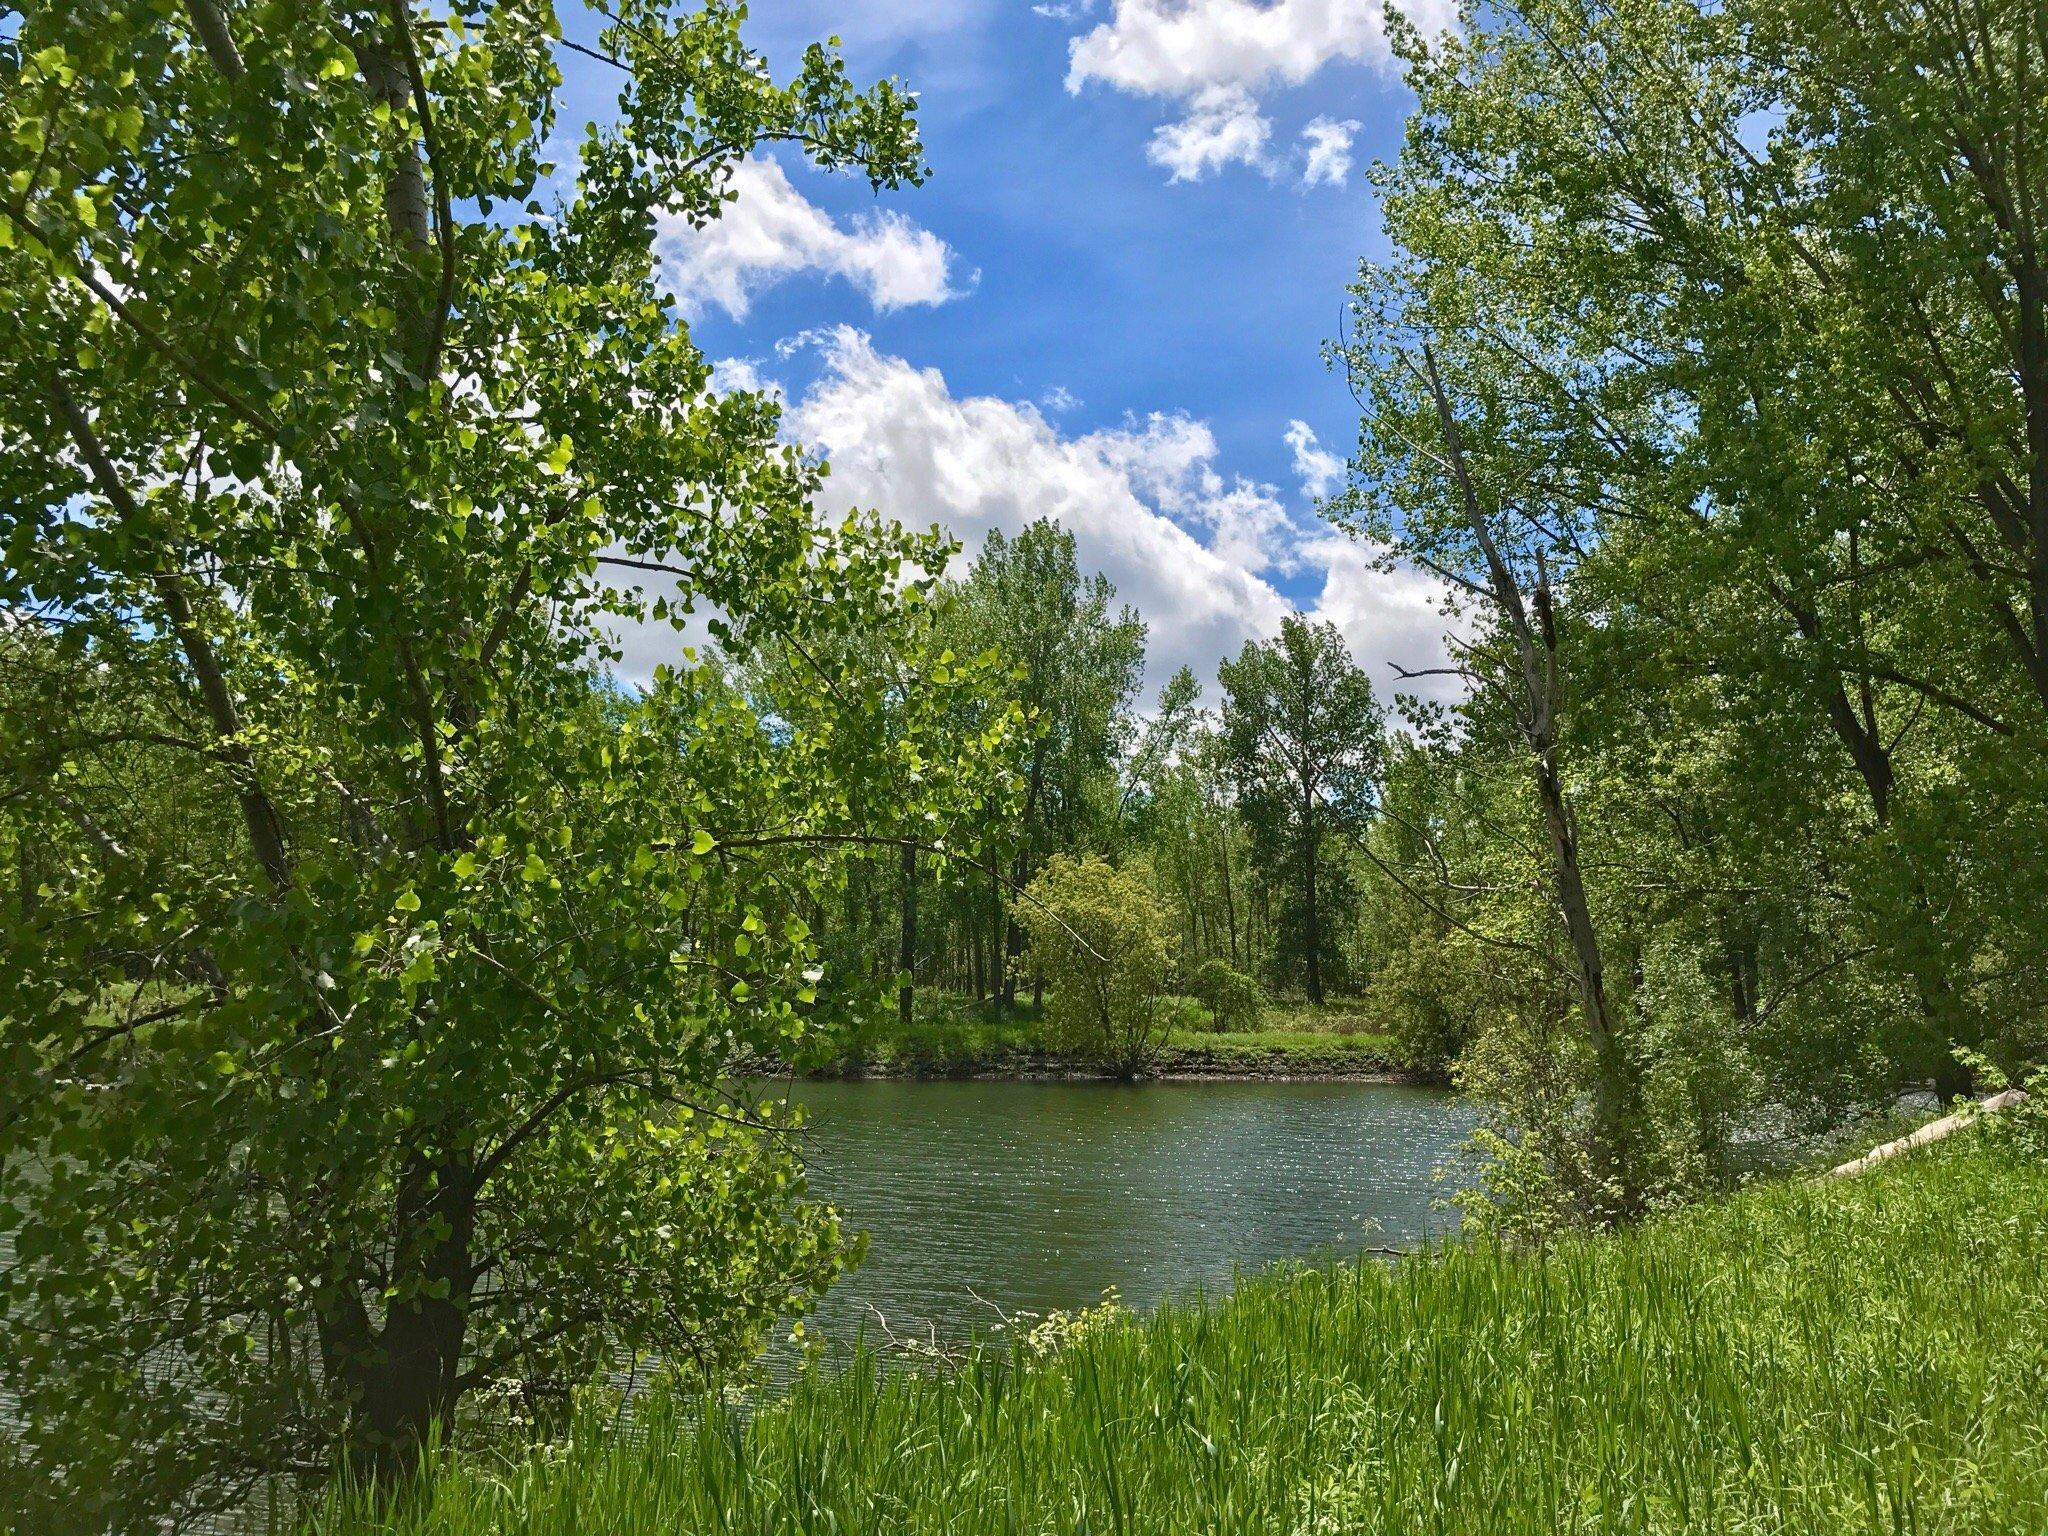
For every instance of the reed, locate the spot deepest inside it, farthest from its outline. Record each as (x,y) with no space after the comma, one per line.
(1868,1356)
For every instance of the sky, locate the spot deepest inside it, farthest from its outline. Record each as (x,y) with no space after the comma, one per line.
(1106,306)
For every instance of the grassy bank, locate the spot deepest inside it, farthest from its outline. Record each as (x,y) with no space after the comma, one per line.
(1869,1356)
(952,1036)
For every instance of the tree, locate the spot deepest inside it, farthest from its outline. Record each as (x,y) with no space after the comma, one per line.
(1100,941)
(1712,320)
(1175,805)
(1303,732)
(1076,665)
(390,1064)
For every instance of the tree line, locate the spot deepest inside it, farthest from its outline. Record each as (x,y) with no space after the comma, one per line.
(1242,818)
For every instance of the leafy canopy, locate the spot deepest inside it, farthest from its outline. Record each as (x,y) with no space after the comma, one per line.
(371,961)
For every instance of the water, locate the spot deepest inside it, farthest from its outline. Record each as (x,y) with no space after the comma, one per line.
(1036,1196)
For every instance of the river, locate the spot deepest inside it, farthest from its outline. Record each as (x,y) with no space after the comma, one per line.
(1035,1196)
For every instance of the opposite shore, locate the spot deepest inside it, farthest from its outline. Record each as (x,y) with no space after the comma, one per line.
(966,1041)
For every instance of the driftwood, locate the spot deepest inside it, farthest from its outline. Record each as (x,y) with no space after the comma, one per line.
(1932,1131)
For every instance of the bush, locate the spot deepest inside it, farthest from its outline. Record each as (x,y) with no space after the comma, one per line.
(1234,1000)
(1431,994)
(1100,940)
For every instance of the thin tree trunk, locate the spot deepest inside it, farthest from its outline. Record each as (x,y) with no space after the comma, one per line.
(1311,916)
(1229,903)
(906,994)
(1535,637)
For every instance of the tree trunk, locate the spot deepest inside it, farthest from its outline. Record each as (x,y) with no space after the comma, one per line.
(1229,903)
(998,957)
(1535,637)
(1312,923)
(1611,1091)
(406,1380)
(906,994)
(1013,939)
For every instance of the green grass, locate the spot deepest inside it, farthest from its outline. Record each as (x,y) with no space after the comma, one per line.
(951,1034)
(1869,1356)
(1274,1050)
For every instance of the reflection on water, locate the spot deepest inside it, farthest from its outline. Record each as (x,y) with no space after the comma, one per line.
(1035,1196)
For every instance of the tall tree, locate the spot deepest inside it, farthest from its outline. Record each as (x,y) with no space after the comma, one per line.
(1303,734)
(1076,662)
(1823,329)
(333,449)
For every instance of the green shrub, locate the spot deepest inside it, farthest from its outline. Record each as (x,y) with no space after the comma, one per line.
(1235,1000)
(1430,994)
(1100,940)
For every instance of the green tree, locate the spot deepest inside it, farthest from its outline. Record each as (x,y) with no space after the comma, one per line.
(1076,663)
(1699,296)
(1303,731)
(1100,940)
(388,1062)
(1175,805)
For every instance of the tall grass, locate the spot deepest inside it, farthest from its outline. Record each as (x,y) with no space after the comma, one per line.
(1862,1357)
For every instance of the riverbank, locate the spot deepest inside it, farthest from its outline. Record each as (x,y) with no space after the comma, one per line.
(962,1039)
(1845,1355)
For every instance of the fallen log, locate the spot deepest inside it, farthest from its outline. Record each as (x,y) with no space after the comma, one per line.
(1932,1131)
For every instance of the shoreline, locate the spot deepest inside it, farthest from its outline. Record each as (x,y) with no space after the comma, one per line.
(1178,1064)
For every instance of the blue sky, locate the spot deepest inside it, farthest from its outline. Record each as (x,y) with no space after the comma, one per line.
(1105,306)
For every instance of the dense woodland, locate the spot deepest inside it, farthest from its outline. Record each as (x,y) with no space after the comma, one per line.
(376,956)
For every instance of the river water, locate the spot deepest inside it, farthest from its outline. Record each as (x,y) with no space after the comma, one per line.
(1035,1196)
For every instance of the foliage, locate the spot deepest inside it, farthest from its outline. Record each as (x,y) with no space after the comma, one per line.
(1798,1358)
(1302,732)
(1694,377)
(1235,1001)
(1433,995)
(1098,938)
(1074,664)
(373,962)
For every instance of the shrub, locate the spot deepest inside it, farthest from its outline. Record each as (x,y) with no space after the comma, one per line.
(1235,1000)
(1430,994)
(1100,940)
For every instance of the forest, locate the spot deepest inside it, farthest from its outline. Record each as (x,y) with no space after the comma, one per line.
(389,969)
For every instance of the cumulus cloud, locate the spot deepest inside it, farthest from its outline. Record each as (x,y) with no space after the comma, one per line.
(1195,549)
(1318,468)
(730,375)
(898,438)
(1326,151)
(772,231)
(1171,461)
(1225,127)
(1216,56)
(1184,47)
(1393,620)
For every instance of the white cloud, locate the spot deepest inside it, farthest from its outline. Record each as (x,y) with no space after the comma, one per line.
(1216,56)
(1319,469)
(1190,546)
(1170,459)
(1059,400)
(1224,127)
(732,374)
(1392,619)
(772,231)
(899,439)
(1326,145)
(1184,47)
